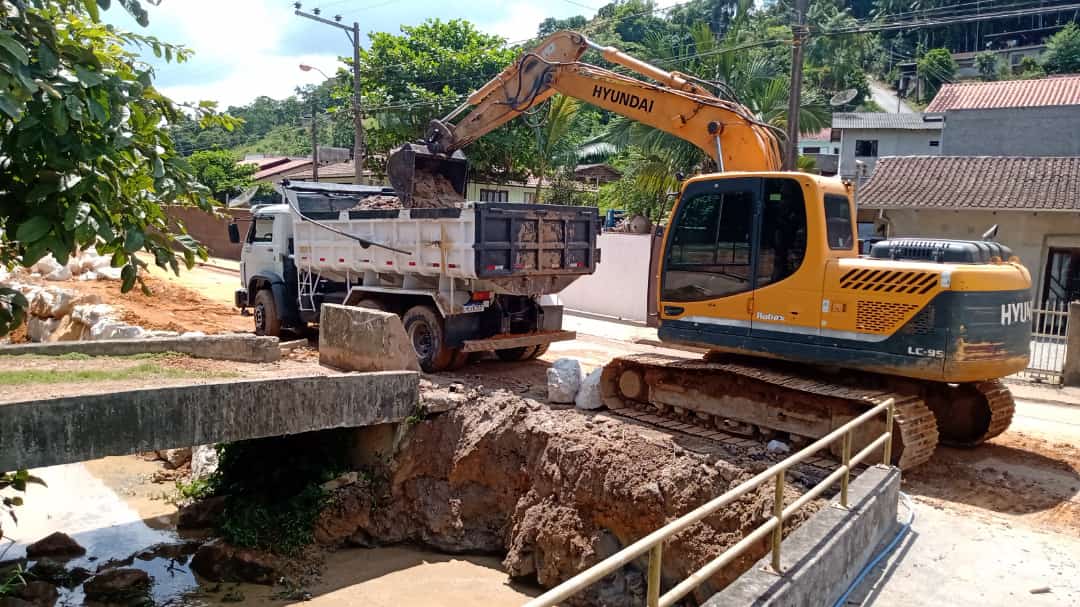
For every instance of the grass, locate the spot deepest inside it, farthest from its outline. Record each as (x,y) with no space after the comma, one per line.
(145,370)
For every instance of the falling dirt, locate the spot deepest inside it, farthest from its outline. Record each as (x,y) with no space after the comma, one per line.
(554,490)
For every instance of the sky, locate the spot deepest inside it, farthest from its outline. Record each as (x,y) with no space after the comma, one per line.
(248,48)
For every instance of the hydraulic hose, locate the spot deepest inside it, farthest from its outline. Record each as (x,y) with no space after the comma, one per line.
(885,552)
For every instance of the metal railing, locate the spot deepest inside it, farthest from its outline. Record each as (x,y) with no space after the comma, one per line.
(654,542)
(1049,327)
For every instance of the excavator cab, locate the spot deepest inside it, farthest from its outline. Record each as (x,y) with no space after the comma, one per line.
(413,164)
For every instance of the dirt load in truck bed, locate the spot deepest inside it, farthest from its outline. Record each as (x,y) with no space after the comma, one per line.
(429,192)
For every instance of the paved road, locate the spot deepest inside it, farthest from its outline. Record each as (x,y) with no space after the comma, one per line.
(954,559)
(886,98)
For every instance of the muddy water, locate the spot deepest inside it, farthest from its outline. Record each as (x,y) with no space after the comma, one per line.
(110,508)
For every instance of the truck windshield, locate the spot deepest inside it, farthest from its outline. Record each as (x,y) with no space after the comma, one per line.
(262,229)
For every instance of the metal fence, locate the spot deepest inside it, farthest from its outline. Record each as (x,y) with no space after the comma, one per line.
(654,542)
(1049,326)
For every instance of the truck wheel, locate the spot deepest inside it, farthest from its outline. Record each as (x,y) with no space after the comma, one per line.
(540,351)
(267,320)
(425,331)
(371,304)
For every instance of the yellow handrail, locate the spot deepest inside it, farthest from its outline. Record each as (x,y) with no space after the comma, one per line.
(653,543)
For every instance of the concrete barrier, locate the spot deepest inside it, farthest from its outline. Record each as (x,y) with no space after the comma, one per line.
(236,347)
(1071,370)
(71,429)
(821,558)
(362,339)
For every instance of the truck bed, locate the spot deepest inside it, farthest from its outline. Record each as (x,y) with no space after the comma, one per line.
(515,248)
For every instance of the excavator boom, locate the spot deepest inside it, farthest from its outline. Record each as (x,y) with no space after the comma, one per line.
(724,130)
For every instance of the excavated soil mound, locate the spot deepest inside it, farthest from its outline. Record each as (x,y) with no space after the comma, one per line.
(554,490)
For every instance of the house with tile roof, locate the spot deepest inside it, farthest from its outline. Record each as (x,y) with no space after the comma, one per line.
(1011,117)
(1035,201)
(866,136)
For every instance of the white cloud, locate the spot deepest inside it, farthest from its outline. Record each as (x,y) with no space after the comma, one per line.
(519,21)
(237,51)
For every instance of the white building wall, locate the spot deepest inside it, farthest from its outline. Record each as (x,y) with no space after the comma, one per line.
(891,142)
(620,286)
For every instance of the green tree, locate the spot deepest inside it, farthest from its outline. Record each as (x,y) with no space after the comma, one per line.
(219,171)
(1029,68)
(556,148)
(551,25)
(87,155)
(935,68)
(1062,54)
(423,73)
(987,64)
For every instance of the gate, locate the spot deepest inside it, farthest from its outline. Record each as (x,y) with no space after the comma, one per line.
(1048,338)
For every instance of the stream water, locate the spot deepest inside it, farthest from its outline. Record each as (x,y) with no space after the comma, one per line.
(111,509)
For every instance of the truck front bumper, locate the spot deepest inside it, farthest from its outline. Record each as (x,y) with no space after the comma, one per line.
(240,299)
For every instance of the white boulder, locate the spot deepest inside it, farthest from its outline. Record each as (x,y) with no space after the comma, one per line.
(91,314)
(39,329)
(46,265)
(204,461)
(775,446)
(61,273)
(588,396)
(111,329)
(563,380)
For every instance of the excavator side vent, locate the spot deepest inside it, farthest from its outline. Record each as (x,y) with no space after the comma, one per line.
(880,317)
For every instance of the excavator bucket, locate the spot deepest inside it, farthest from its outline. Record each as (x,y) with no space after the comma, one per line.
(412,164)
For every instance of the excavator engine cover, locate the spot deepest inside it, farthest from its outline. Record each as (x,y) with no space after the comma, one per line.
(412,159)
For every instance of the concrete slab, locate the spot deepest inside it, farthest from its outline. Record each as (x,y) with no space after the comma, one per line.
(238,347)
(363,339)
(825,554)
(71,429)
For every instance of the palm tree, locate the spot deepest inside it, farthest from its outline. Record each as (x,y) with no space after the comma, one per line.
(554,148)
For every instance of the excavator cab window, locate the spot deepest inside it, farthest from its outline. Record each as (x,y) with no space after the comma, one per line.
(716,250)
(709,255)
(838,226)
(782,244)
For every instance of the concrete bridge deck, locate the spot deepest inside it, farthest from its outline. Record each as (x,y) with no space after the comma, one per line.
(54,431)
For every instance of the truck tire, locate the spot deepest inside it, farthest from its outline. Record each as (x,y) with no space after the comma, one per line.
(371,304)
(267,320)
(425,331)
(540,351)
(515,354)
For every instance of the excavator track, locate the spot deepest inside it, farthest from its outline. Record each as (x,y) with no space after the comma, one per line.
(717,399)
(991,409)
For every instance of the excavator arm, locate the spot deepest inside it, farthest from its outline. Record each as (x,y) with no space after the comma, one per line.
(726,131)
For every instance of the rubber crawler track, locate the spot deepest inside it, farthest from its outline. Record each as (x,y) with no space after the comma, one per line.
(915,423)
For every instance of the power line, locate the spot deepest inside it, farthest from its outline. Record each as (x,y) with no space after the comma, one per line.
(943,21)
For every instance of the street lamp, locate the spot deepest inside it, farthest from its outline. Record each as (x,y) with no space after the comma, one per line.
(307,68)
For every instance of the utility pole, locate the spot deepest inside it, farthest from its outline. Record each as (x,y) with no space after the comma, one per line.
(314,137)
(799,33)
(353,34)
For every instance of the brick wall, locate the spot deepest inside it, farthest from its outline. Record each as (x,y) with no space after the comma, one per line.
(212,231)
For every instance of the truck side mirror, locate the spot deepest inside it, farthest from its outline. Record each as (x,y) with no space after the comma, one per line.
(234,233)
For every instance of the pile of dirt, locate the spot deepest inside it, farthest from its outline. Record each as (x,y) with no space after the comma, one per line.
(378,202)
(555,491)
(433,191)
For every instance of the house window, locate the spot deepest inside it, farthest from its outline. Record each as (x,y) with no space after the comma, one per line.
(494,195)
(836,150)
(838,228)
(530,197)
(934,143)
(811,150)
(866,147)
(834,136)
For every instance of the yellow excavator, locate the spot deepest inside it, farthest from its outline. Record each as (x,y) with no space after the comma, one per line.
(762,267)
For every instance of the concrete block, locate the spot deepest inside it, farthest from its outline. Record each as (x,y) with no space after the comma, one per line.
(822,557)
(362,339)
(78,428)
(238,347)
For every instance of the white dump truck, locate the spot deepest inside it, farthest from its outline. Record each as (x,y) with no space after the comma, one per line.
(480,276)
